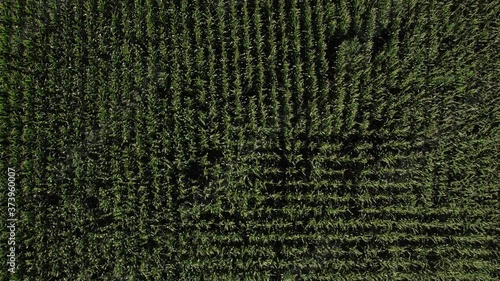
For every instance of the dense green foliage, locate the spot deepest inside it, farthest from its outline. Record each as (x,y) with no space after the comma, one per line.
(252,140)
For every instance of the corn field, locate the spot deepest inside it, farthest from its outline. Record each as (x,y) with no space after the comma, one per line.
(251,140)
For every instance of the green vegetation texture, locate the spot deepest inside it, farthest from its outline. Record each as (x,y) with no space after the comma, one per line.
(251,140)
